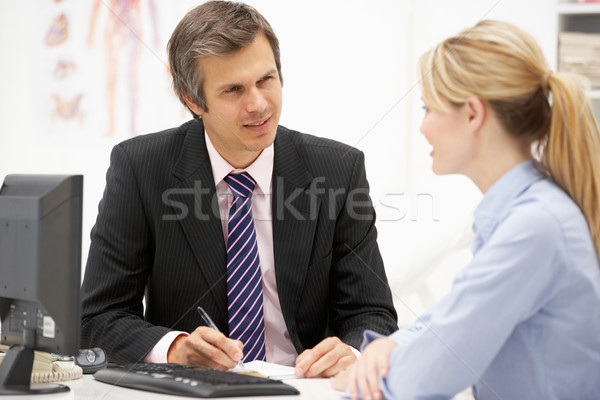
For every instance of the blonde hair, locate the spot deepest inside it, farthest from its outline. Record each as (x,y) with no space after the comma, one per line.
(504,67)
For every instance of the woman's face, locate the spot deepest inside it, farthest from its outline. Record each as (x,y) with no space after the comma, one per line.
(453,146)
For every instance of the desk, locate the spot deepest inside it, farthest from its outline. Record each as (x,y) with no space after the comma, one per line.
(87,388)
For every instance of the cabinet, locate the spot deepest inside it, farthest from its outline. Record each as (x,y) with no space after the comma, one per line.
(582,17)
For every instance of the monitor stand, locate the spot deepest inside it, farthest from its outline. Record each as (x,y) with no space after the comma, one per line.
(15,372)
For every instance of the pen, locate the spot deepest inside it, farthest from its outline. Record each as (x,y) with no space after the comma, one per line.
(211,324)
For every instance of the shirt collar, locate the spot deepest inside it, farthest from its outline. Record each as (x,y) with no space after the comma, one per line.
(261,169)
(499,198)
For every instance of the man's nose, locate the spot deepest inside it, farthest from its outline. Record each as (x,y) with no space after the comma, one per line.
(256,101)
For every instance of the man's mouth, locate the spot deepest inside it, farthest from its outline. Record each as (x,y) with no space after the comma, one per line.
(259,123)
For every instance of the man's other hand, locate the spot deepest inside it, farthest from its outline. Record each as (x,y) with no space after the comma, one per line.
(325,360)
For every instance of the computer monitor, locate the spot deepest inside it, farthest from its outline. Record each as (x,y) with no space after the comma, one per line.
(40,273)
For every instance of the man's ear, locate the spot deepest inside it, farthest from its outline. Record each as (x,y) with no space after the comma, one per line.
(196,109)
(475,112)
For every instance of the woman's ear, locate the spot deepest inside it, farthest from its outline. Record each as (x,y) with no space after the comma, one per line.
(475,112)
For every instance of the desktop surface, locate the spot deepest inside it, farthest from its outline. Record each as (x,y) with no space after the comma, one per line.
(88,388)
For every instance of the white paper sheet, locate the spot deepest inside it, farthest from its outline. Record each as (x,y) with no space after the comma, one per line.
(269,370)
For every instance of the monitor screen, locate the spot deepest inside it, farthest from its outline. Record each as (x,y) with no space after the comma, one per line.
(40,269)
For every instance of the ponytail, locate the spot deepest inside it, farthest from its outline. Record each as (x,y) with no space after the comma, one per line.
(571,151)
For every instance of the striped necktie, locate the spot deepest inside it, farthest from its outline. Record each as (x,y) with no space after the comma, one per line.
(244,282)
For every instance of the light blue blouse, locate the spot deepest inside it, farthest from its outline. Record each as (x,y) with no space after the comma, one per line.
(522,320)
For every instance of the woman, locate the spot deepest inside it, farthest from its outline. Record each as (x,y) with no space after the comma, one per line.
(522,320)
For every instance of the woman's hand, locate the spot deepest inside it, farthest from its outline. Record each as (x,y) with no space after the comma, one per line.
(363,376)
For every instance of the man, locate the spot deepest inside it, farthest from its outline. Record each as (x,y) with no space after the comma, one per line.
(167,226)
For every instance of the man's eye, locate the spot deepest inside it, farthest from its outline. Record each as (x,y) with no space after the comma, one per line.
(232,89)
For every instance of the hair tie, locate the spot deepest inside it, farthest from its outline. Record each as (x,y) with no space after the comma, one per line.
(546,80)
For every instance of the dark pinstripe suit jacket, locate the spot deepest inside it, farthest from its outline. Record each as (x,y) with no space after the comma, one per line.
(158,235)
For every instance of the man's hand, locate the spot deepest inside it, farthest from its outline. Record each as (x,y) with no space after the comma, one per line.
(207,347)
(374,363)
(325,359)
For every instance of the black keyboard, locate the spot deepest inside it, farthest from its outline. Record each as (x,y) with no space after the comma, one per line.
(185,380)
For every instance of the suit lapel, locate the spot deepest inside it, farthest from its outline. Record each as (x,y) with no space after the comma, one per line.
(202,224)
(294,221)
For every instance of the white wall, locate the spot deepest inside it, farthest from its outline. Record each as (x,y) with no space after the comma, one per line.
(349,71)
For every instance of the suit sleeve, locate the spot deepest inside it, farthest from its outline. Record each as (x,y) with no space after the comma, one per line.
(360,295)
(118,266)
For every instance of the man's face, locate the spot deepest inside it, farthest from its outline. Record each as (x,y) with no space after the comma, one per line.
(243,98)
